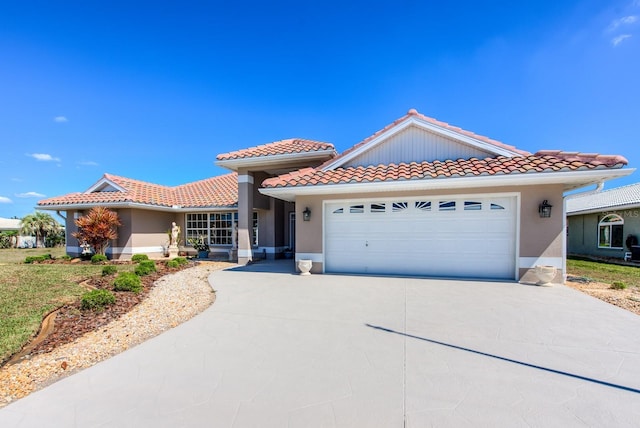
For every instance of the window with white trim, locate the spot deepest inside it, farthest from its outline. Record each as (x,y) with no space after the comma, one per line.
(610,232)
(216,227)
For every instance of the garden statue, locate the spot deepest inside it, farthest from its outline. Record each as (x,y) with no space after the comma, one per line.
(173,240)
(175,232)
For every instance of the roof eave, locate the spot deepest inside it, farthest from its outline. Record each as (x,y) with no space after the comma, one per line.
(259,162)
(570,179)
(113,205)
(618,207)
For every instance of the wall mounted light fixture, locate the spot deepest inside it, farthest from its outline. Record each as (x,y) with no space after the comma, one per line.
(306,214)
(544,209)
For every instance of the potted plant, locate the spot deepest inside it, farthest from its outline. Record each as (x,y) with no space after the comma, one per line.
(201,246)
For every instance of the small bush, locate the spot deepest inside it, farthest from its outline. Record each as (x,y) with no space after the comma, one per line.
(96,259)
(173,264)
(109,270)
(127,281)
(66,257)
(97,299)
(37,259)
(137,258)
(181,260)
(145,267)
(618,285)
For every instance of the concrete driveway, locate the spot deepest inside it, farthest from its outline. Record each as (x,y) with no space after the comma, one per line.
(278,349)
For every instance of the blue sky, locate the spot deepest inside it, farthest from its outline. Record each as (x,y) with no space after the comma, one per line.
(155,90)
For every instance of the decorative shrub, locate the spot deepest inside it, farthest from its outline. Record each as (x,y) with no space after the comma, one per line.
(66,257)
(127,281)
(181,260)
(173,264)
(37,259)
(137,258)
(97,299)
(145,267)
(618,285)
(96,259)
(109,270)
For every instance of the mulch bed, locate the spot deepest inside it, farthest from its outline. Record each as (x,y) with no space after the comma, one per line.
(628,298)
(72,322)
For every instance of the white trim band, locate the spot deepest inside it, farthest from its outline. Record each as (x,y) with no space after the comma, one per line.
(531,262)
(314,257)
(245,253)
(245,178)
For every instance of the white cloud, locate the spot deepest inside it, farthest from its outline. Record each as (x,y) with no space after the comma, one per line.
(44,157)
(30,195)
(88,163)
(60,119)
(619,39)
(4,200)
(625,20)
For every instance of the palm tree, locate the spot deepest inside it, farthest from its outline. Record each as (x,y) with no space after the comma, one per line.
(39,224)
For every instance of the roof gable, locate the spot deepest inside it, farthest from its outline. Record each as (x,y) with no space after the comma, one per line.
(112,190)
(105,184)
(418,138)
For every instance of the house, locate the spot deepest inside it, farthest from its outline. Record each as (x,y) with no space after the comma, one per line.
(19,241)
(418,197)
(600,223)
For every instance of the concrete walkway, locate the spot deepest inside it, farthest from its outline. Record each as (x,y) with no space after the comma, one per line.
(278,349)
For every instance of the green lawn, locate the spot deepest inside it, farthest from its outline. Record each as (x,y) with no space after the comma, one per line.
(17,255)
(29,291)
(603,272)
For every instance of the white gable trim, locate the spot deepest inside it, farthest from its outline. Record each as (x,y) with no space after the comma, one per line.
(104,182)
(428,126)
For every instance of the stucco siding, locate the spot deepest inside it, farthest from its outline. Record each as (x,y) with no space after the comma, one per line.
(583,233)
(73,246)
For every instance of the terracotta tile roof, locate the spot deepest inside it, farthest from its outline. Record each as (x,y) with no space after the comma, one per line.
(414,113)
(501,165)
(219,191)
(608,160)
(620,197)
(282,147)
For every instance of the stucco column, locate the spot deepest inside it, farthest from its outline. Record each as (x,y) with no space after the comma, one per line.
(245,217)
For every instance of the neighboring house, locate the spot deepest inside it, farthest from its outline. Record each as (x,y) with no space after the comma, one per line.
(599,224)
(419,197)
(13,225)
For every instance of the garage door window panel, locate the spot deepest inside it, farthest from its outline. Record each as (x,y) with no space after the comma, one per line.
(447,205)
(378,208)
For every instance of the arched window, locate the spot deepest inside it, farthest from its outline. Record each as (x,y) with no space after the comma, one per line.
(610,234)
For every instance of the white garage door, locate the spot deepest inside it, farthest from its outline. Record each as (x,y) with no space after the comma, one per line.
(472,237)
